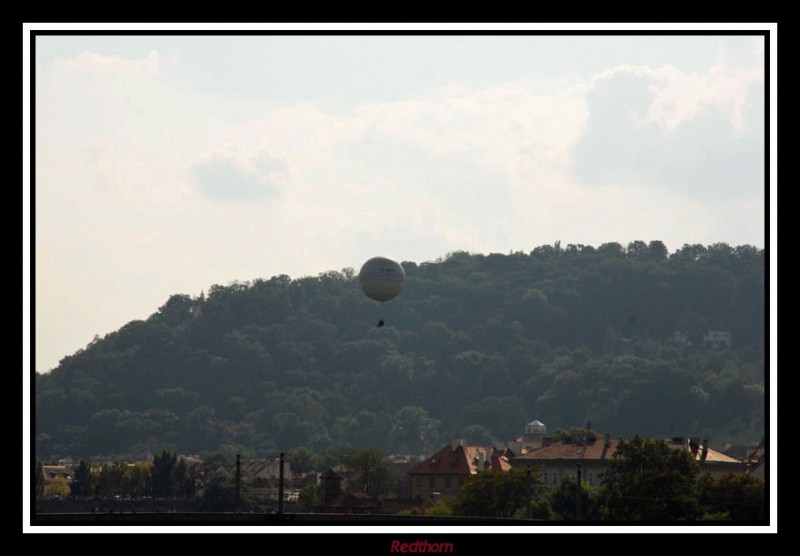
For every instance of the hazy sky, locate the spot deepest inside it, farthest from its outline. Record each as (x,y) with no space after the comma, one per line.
(167,164)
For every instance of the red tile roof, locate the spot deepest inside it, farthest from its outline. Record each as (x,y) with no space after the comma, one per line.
(696,446)
(463,460)
(598,450)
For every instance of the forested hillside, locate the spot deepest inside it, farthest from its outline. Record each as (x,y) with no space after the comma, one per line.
(475,346)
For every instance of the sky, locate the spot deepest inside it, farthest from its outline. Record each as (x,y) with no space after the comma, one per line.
(167,163)
(158,163)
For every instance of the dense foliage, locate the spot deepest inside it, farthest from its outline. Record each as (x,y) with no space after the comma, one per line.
(496,493)
(647,482)
(474,347)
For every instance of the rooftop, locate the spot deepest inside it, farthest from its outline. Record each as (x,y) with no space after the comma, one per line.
(463,460)
(597,450)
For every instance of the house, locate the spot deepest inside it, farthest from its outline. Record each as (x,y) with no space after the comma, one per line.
(330,484)
(263,476)
(711,461)
(681,338)
(717,338)
(556,459)
(448,469)
(255,471)
(756,462)
(54,472)
(738,451)
(335,500)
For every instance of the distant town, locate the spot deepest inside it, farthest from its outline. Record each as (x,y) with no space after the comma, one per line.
(371,483)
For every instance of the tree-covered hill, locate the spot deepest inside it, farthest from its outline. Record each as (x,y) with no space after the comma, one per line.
(474,347)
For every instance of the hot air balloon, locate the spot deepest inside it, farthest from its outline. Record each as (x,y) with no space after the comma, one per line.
(381,279)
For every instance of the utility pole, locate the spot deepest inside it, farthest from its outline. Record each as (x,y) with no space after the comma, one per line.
(530,490)
(238,482)
(579,497)
(280,485)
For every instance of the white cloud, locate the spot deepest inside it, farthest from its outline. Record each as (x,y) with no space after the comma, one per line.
(147,187)
(92,62)
(679,96)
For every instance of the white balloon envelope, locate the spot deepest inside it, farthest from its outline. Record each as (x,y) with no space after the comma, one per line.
(382,278)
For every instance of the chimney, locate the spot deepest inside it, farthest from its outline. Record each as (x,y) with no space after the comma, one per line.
(606,445)
(481,460)
(331,486)
(694,444)
(704,453)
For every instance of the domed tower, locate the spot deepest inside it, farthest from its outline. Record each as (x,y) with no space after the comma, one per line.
(532,438)
(535,430)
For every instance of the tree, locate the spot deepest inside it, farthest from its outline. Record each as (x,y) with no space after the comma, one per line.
(183,486)
(308,499)
(83,482)
(479,340)
(575,435)
(57,488)
(497,494)
(413,430)
(443,506)
(739,496)
(302,459)
(170,475)
(38,479)
(219,494)
(137,479)
(658,251)
(376,474)
(563,500)
(111,480)
(637,250)
(650,481)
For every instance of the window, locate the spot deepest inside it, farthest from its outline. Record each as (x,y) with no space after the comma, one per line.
(447,482)
(461,481)
(432,482)
(555,478)
(419,481)
(545,477)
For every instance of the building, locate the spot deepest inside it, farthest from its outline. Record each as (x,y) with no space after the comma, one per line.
(717,338)
(556,459)
(739,451)
(532,438)
(54,472)
(263,476)
(756,461)
(681,338)
(711,461)
(447,470)
(336,500)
